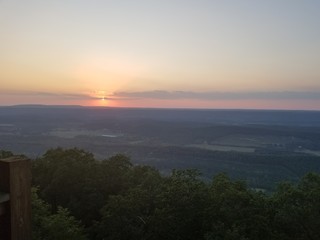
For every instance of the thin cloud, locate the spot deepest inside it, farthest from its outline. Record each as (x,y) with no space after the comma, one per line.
(174,95)
(65,96)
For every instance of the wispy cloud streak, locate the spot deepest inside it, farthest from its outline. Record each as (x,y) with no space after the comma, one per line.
(172,95)
(167,95)
(63,96)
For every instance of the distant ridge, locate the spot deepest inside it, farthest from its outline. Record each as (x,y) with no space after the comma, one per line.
(42,106)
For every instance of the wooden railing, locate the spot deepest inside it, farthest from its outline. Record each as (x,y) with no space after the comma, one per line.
(15,199)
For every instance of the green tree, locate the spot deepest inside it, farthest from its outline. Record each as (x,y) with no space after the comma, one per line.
(235,212)
(5,154)
(130,215)
(113,174)
(180,207)
(58,226)
(73,179)
(297,209)
(65,177)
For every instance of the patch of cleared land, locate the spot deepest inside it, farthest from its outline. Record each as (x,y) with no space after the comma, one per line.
(249,141)
(223,148)
(316,153)
(64,133)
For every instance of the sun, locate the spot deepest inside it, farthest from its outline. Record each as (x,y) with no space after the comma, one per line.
(99,98)
(103,101)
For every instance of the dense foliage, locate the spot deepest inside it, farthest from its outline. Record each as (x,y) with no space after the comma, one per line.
(53,226)
(113,199)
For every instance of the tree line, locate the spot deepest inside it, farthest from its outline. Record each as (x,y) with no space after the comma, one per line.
(76,196)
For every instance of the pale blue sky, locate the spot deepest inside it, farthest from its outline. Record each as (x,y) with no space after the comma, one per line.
(105,47)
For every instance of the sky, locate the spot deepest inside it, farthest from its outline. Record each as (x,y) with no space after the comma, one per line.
(231,54)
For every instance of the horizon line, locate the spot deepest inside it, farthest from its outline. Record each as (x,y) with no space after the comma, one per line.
(155,108)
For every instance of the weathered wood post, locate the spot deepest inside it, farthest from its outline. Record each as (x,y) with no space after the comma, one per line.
(15,199)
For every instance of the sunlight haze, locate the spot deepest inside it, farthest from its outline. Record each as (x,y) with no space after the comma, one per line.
(189,54)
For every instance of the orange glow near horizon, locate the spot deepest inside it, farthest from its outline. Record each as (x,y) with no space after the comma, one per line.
(218,104)
(102,102)
(105,100)
(123,52)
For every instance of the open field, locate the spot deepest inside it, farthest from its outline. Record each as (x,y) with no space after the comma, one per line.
(223,148)
(316,153)
(72,133)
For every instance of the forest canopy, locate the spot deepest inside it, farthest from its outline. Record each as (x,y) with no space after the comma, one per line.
(76,196)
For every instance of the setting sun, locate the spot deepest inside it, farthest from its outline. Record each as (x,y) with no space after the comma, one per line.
(197,55)
(158,120)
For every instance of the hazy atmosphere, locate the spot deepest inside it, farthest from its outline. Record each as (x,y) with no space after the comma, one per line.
(160,119)
(189,54)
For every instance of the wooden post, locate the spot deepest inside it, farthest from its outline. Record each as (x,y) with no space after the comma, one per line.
(15,185)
